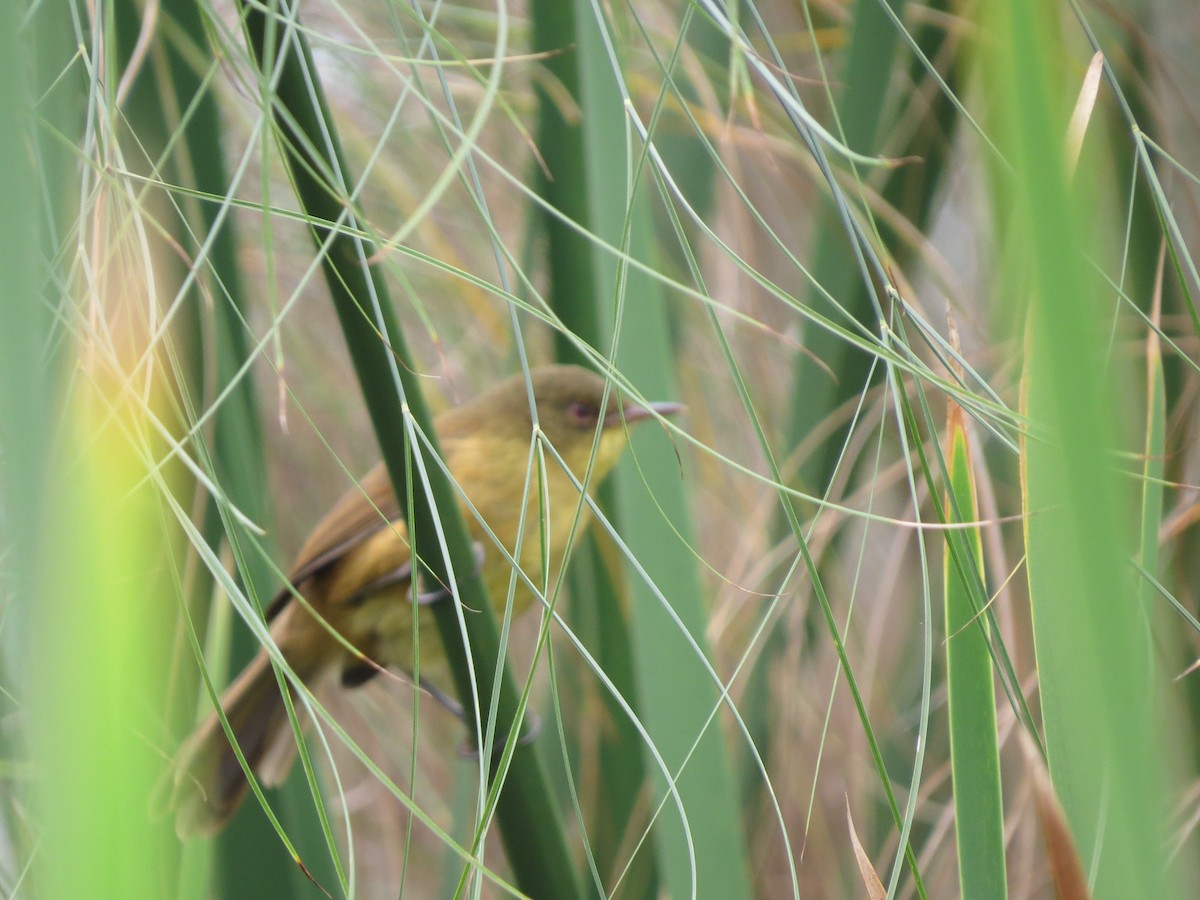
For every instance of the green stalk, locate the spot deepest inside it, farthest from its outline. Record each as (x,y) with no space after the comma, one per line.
(529,820)
(563,181)
(597,611)
(974,753)
(175,137)
(1100,691)
(31,184)
(676,693)
(831,371)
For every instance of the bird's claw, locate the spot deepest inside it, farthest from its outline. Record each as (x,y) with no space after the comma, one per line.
(532,728)
(441,591)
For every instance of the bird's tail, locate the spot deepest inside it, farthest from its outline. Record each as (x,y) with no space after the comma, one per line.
(209,783)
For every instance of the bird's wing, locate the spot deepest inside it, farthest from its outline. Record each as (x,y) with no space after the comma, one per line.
(359,514)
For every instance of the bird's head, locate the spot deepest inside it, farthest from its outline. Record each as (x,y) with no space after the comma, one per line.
(571,407)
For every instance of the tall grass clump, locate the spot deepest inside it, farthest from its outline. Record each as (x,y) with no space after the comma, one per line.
(904,605)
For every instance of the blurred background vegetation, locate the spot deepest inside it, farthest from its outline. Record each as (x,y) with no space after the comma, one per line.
(905,605)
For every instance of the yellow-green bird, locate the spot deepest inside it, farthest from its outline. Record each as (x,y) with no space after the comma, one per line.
(354,571)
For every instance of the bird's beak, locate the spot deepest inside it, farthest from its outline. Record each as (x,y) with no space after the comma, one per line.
(634,412)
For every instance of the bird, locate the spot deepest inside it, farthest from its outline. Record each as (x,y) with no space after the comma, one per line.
(354,571)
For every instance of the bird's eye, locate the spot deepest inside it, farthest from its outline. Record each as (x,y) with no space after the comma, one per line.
(582,413)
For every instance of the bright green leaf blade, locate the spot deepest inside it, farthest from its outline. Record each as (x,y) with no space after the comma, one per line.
(1098,688)
(974,754)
